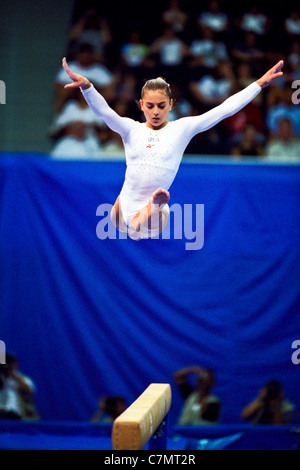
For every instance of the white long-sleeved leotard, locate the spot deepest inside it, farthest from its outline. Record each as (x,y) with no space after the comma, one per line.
(153,156)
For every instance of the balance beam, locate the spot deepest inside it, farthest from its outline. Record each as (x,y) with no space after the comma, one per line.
(133,428)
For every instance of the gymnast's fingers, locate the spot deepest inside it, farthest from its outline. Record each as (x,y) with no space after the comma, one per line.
(277,68)
(66,67)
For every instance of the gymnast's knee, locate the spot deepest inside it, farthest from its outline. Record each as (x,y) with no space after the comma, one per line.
(113,216)
(117,218)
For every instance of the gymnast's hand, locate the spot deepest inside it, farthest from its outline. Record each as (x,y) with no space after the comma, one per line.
(274,72)
(78,80)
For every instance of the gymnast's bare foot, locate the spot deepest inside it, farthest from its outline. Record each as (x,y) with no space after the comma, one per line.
(160,197)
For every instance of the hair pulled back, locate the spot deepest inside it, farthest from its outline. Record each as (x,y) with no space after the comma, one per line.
(155,84)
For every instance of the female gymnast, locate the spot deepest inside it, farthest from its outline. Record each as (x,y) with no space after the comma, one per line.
(154,149)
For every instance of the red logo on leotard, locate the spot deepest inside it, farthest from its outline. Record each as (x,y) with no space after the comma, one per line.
(150,145)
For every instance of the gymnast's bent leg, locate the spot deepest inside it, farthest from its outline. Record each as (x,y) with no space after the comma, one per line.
(152,219)
(117,219)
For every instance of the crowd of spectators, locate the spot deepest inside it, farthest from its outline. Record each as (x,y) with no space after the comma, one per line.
(206,54)
(195,384)
(202,407)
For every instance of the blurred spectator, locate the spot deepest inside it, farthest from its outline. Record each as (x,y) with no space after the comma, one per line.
(134,67)
(109,409)
(171,53)
(174,17)
(212,89)
(249,50)
(134,52)
(244,75)
(111,144)
(91,29)
(252,114)
(292,24)
(200,407)
(270,407)
(280,106)
(182,106)
(16,392)
(76,109)
(254,21)
(77,142)
(85,64)
(285,146)
(293,59)
(249,145)
(206,52)
(214,18)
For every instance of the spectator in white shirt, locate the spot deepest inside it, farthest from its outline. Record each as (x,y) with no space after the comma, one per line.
(85,64)
(292,24)
(214,18)
(16,392)
(254,21)
(285,147)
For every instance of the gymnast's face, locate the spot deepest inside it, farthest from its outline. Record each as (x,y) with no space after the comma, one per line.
(156,106)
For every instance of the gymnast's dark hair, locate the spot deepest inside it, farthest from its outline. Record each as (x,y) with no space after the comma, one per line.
(155,84)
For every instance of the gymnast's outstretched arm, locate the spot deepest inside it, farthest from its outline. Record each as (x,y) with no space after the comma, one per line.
(98,104)
(231,105)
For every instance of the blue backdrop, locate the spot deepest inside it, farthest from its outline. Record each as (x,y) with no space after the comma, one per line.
(90,317)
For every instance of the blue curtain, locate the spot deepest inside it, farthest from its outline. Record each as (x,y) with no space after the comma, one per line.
(90,317)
